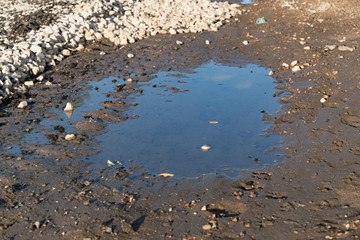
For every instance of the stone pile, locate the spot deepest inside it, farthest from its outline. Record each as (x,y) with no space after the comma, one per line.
(120,21)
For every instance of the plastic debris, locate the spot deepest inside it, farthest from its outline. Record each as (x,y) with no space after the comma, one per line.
(110,163)
(166,175)
(213,122)
(205,148)
(260,20)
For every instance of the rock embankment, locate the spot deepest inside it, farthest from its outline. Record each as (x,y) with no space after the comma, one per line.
(23,59)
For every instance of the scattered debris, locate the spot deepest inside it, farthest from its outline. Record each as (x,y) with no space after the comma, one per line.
(166,175)
(261,20)
(205,148)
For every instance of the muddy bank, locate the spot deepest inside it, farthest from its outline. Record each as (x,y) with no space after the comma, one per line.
(46,192)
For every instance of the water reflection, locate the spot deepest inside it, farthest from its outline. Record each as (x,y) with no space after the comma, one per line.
(171,128)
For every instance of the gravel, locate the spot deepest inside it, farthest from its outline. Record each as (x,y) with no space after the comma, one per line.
(39,34)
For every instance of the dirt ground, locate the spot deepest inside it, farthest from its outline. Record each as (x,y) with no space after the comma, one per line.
(48,193)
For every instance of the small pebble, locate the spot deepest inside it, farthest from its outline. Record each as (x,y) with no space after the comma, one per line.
(69,107)
(102,53)
(70,137)
(108,229)
(330,47)
(205,148)
(345,48)
(29,83)
(86,203)
(35,70)
(293,63)
(22,105)
(66,52)
(245,42)
(172,31)
(285,65)
(207,42)
(179,42)
(271,73)
(296,69)
(130,55)
(206,227)
(37,224)
(110,163)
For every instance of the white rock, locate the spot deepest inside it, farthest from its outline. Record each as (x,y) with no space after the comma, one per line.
(296,69)
(123,41)
(40,78)
(285,65)
(271,73)
(245,42)
(98,36)
(29,83)
(293,63)
(172,31)
(35,70)
(66,52)
(307,48)
(24,45)
(207,42)
(22,105)
(330,47)
(69,107)
(179,42)
(35,49)
(345,48)
(130,55)
(70,137)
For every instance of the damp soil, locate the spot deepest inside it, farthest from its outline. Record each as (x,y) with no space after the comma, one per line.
(50,188)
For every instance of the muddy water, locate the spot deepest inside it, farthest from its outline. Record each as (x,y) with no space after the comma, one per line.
(216,105)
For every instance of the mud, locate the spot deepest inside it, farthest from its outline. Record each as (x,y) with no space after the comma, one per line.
(47,192)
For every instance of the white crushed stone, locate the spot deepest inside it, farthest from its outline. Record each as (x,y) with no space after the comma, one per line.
(121,21)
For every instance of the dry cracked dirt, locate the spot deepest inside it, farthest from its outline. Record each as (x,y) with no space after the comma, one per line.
(48,193)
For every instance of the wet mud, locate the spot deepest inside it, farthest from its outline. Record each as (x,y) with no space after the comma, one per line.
(50,189)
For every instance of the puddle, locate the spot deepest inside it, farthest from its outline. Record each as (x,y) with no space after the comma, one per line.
(178,113)
(247,1)
(174,114)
